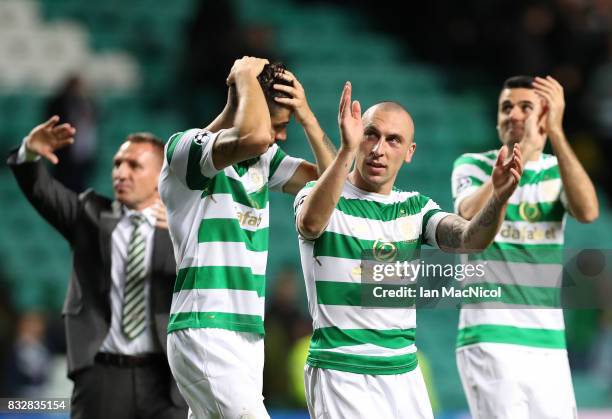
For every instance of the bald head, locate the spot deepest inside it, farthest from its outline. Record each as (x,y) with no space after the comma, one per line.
(396,111)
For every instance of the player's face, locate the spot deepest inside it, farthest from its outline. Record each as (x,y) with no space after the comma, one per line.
(136,168)
(515,107)
(280,117)
(386,145)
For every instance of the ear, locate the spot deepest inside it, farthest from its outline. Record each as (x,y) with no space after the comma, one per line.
(410,152)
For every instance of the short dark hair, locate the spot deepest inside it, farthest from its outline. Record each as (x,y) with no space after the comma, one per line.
(147,138)
(519,82)
(270,76)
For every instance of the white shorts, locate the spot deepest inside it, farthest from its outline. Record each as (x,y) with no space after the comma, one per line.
(516,382)
(333,394)
(219,372)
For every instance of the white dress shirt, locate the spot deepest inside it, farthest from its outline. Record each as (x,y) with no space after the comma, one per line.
(116,342)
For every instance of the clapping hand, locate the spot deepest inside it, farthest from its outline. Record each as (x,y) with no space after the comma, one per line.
(507,174)
(349,120)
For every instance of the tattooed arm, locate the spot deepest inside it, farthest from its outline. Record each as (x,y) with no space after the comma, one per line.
(458,235)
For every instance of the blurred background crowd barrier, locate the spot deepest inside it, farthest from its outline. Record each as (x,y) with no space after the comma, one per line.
(115,67)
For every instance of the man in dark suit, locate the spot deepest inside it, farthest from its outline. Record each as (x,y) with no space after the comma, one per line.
(117,305)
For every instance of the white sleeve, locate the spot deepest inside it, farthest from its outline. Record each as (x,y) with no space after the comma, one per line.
(298,203)
(431,218)
(189,157)
(25,156)
(282,168)
(465,180)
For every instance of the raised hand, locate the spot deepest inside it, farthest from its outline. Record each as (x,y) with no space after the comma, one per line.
(551,92)
(297,102)
(46,138)
(507,174)
(349,120)
(534,135)
(246,67)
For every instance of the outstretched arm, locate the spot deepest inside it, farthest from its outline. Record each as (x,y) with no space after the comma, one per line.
(581,196)
(53,201)
(458,235)
(320,203)
(322,147)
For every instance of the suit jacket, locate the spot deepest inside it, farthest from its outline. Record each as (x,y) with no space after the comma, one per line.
(87,221)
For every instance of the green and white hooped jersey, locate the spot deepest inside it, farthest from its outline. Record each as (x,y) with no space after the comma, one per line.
(348,336)
(218,222)
(525,260)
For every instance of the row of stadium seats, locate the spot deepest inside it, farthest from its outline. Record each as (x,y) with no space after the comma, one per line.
(36,54)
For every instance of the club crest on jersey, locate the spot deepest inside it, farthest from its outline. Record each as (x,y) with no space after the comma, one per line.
(200,137)
(463,183)
(529,212)
(384,251)
(408,229)
(256,177)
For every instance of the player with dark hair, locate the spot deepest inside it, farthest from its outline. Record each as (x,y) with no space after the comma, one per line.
(215,183)
(512,358)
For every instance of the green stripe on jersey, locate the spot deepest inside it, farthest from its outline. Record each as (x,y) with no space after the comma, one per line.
(172,142)
(544,211)
(229,321)
(276,161)
(484,166)
(528,236)
(341,342)
(362,364)
(220,277)
(373,210)
(349,247)
(333,337)
(540,338)
(229,230)
(361,295)
(223,184)
(195,179)
(529,176)
(213,283)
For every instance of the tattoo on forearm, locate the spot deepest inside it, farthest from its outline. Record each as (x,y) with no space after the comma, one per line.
(456,233)
(489,213)
(484,219)
(226,147)
(450,232)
